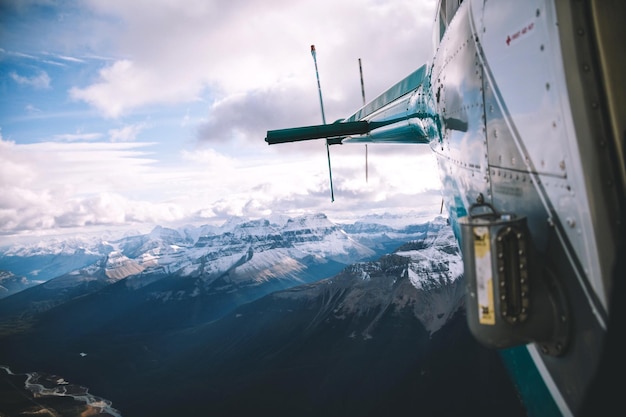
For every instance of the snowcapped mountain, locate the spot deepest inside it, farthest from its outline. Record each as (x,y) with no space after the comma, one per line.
(210,270)
(35,299)
(425,276)
(41,262)
(11,284)
(113,267)
(258,250)
(56,246)
(251,319)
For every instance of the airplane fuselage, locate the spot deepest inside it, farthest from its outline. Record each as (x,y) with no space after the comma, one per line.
(523,106)
(525,128)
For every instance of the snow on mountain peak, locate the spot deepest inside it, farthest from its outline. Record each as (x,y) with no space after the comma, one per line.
(424,275)
(118,266)
(247,251)
(55,246)
(437,253)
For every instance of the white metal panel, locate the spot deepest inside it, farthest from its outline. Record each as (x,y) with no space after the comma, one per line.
(522,51)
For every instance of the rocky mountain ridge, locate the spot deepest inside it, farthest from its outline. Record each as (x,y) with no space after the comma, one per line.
(379,336)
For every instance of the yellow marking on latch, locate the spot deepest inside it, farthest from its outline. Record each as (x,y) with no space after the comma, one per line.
(484,276)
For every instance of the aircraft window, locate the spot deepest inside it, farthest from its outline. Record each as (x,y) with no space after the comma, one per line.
(447,9)
(443,23)
(452,5)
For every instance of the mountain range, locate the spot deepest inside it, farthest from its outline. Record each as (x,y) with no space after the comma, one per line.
(281,317)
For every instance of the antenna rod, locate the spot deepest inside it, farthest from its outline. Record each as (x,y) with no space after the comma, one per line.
(319,89)
(363,95)
(362,85)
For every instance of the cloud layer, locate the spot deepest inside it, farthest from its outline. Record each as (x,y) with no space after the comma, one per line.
(155,111)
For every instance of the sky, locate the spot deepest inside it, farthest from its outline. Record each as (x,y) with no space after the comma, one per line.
(128,114)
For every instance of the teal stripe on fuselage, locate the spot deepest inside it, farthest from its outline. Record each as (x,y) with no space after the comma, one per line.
(538,400)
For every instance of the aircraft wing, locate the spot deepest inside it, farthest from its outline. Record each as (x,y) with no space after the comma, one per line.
(402,114)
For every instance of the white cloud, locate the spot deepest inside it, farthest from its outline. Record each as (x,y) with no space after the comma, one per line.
(69,58)
(47,185)
(181,50)
(71,137)
(127,133)
(125,86)
(61,185)
(249,65)
(40,81)
(30,109)
(14,167)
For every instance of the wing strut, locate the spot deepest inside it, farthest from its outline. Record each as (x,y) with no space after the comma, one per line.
(319,89)
(363,95)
